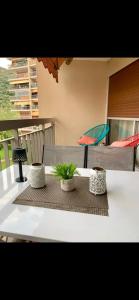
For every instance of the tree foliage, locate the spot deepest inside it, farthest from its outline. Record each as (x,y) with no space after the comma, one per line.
(5,104)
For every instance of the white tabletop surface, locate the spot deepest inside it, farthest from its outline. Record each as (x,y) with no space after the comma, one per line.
(43,224)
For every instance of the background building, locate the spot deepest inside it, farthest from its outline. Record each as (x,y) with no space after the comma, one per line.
(24,87)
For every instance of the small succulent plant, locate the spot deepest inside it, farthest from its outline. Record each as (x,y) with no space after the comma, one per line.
(65,171)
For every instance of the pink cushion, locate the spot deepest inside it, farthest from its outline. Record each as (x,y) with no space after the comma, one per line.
(120,144)
(87,140)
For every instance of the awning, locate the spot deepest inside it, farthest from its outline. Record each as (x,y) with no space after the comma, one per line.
(54,63)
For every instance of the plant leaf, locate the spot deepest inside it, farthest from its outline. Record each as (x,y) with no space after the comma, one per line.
(65,171)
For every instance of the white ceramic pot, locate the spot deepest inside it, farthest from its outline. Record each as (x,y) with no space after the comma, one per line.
(97,181)
(36,175)
(67,185)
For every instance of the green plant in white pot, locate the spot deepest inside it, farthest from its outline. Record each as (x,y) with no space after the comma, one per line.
(65,173)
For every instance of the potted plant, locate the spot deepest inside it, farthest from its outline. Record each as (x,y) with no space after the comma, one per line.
(65,173)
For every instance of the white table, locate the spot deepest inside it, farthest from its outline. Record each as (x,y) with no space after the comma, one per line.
(44,225)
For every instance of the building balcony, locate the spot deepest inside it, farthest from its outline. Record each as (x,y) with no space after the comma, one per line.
(19,64)
(21,106)
(34,85)
(34,100)
(17,102)
(33,74)
(23,99)
(18,76)
(20,109)
(35,107)
(25,115)
(12,89)
(15,59)
(35,113)
(34,96)
(32,62)
(14,98)
(19,98)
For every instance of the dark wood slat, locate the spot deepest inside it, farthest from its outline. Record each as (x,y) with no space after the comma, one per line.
(29,149)
(32,148)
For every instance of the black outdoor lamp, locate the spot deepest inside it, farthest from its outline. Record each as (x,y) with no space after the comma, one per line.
(19,156)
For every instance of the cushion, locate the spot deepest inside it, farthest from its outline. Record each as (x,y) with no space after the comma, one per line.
(87,140)
(120,144)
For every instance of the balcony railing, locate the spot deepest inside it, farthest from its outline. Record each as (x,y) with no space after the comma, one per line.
(34,96)
(18,87)
(18,76)
(35,107)
(34,84)
(19,98)
(13,98)
(18,64)
(25,115)
(32,74)
(32,61)
(18,108)
(33,141)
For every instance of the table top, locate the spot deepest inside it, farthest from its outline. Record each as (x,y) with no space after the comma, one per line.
(51,225)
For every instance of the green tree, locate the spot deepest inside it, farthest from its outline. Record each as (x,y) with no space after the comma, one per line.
(5,104)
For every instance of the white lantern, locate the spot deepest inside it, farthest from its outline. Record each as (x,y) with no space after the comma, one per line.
(97,181)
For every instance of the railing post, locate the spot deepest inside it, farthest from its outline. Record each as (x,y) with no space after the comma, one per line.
(6,153)
(53,133)
(16,137)
(43,132)
(0,164)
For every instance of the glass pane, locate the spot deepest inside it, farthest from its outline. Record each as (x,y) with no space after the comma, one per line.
(137,127)
(120,129)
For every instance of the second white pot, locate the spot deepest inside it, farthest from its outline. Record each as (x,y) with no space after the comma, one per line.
(67,185)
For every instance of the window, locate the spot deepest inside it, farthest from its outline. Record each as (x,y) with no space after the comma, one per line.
(120,129)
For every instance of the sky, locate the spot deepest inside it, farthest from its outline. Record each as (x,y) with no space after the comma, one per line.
(4,62)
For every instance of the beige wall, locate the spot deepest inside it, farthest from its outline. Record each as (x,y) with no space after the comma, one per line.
(116,64)
(77,101)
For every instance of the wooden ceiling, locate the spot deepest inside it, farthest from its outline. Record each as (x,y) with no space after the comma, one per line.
(53,64)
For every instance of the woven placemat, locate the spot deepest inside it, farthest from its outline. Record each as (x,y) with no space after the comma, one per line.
(51,196)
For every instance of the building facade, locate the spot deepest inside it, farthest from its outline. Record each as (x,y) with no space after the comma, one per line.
(24,87)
